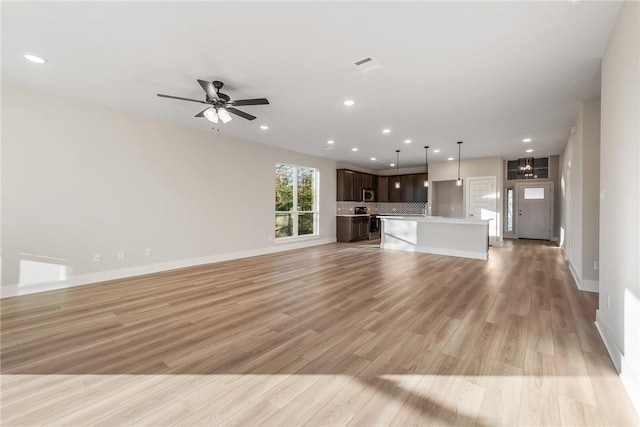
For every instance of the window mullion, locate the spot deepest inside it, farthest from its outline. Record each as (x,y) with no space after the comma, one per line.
(295,201)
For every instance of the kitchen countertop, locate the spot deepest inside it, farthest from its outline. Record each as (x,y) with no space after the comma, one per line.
(437,219)
(385,215)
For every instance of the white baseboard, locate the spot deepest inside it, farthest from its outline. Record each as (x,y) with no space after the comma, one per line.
(628,378)
(582,284)
(589,285)
(87,279)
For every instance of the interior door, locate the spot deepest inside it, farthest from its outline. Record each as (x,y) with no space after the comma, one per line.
(481,202)
(534,211)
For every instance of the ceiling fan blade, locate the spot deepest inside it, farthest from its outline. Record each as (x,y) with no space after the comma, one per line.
(182,99)
(257,101)
(201,113)
(240,113)
(209,89)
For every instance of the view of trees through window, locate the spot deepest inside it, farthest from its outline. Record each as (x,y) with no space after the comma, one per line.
(296,212)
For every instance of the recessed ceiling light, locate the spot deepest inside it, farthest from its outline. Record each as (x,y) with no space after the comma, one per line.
(530,150)
(354,149)
(331,141)
(349,102)
(436,151)
(373,159)
(264,127)
(386,130)
(392,164)
(36,59)
(450,158)
(407,141)
(526,140)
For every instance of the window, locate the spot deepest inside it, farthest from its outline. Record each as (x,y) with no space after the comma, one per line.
(534,193)
(508,227)
(540,168)
(296,201)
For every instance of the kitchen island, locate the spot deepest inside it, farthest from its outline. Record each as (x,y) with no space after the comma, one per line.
(458,237)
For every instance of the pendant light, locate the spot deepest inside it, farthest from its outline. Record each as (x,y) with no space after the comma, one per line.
(459,181)
(426,166)
(397,184)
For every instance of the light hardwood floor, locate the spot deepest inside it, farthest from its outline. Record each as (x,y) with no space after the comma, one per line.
(341,334)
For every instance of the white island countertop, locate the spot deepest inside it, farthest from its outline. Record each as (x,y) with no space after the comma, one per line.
(436,219)
(467,238)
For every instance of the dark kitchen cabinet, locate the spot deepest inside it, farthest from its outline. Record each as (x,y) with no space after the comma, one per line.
(420,191)
(383,189)
(344,181)
(395,194)
(368,182)
(357,186)
(407,188)
(349,185)
(352,228)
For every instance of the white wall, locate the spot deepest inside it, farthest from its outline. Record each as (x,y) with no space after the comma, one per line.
(590,190)
(579,201)
(620,186)
(80,179)
(447,199)
(486,166)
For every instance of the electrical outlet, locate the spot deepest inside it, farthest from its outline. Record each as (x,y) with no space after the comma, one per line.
(596,265)
(120,254)
(96,258)
(147,252)
(608,301)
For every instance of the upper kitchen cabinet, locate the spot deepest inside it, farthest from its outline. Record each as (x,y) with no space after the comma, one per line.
(383,188)
(344,190)
(395,194)
(420,191)
(369,182)
(407,188)
(350,185)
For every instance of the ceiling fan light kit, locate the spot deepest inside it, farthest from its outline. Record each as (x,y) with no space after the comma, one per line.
(211,115)
(220,104)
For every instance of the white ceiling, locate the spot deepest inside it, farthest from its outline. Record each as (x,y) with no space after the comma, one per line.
(486,73)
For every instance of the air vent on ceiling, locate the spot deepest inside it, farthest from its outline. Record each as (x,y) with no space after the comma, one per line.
(367,64)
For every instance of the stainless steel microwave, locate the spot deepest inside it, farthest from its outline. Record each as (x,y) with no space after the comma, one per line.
(368,195)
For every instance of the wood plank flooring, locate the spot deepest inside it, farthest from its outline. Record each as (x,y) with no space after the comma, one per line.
(340,334)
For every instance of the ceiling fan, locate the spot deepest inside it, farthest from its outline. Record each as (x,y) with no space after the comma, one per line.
(220,105)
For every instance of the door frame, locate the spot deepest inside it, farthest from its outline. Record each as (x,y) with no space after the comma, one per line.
(520,185)
(496,224)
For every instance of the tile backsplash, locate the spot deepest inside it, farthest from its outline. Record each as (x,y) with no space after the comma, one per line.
(382,208)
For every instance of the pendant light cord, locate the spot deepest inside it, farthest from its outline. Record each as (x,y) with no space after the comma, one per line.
(459,144)
(459,181)
(426,160)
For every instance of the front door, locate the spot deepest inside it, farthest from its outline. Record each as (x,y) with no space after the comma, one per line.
(534,211)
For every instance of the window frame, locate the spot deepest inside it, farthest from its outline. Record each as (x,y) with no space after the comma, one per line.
(296,213)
